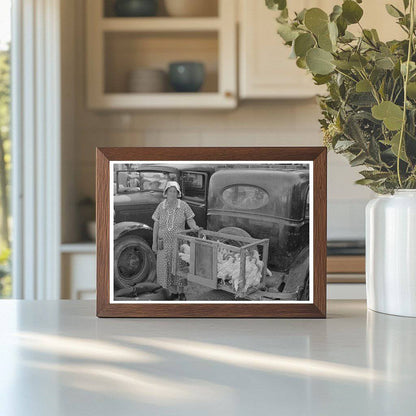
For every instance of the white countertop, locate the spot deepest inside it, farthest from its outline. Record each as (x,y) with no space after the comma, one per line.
(56,358)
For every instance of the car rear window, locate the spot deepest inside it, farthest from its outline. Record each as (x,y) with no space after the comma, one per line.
(246,197)
(193,185)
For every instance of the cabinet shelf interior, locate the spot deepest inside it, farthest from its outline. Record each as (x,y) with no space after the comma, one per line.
(109,7)
(127,51)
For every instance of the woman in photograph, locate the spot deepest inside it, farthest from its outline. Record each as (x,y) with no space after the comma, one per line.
(170,217)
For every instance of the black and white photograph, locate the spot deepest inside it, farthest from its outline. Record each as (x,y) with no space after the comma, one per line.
(211,232)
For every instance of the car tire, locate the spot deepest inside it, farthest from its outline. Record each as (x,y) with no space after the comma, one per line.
(134,261)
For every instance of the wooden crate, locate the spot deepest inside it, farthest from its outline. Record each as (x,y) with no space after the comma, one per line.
(203,262)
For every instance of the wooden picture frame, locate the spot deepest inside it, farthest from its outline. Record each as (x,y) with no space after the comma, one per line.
(314,308)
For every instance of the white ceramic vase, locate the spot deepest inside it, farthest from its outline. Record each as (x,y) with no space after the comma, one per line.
(391,253)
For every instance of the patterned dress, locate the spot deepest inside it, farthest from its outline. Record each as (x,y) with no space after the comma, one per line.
(170,222)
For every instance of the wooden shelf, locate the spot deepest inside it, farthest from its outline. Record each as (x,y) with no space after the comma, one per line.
(80,247)
(159,24)
(346,269)
(163,101)
(116,46)
(346,264)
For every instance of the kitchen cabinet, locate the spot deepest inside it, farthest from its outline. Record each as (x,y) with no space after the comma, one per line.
(265,70)
(78,271)
(118,45)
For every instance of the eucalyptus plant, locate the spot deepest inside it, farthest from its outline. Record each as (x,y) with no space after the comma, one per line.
(369,112)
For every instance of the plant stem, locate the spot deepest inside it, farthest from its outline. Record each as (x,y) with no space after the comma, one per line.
(345,75)
(406,79)
(373,90)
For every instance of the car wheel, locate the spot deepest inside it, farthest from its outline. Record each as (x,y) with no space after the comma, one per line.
(134,261)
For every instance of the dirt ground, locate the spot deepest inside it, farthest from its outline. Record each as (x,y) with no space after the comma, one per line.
(194,291)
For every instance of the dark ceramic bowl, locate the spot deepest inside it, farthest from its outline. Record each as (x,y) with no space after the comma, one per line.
(186,76)
(135,8)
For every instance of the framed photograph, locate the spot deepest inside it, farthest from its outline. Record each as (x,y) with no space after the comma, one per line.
(211,232)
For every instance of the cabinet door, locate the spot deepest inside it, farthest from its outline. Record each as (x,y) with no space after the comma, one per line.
(265,68)
(376,17)
(117,46)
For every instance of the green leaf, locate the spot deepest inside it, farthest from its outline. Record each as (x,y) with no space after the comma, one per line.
(321,79)
(319,61)
(396,71)
(358,160)
(336,12)
(368,36)
(342,25)
(412,67)
(328,39)
(341,64)
(333,32)
(382,88)
(363,86)
(391,114)
(358,61)
(276,4)
(361,99)
(316,20)
(394,145)
(303,43)
(351,11)
(385,63)
(347,37)
(375,35)
(411,90)
(301,15)
(301,63)
(393,11)
(286,32)
(377,75)
(364,181)
(406,4)
(353,129)
(343,145)
(325,42)
(374,150)
(374,175)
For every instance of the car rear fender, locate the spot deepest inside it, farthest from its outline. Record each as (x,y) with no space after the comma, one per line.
(137,228)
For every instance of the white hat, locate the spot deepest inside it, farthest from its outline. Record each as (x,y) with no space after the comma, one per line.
(173,184)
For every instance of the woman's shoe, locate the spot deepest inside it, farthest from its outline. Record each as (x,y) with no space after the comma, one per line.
(182,296)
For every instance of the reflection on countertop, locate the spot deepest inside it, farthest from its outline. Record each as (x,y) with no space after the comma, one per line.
(63,360)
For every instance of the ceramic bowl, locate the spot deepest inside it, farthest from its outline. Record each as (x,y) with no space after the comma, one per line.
(186,76)
(147,80)
(135,8)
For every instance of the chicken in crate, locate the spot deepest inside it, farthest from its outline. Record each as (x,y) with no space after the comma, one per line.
(221,261)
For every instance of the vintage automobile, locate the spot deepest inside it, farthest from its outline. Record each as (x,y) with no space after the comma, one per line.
(261,203)
(137,192)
